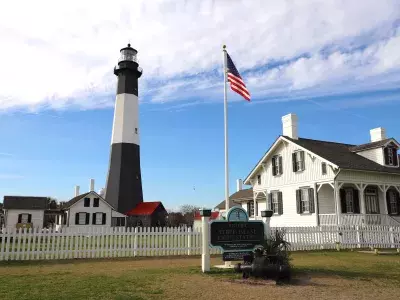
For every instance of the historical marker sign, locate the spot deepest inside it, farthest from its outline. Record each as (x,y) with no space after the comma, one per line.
(235,255)
(237,235)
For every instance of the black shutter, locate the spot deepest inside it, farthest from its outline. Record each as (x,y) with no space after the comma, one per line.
(248,208)
(343,200)
(398,203)
(29,218)
(256,209)
(395,157)
(87,218)
(76,218)
(294,161)
(386,154)
(104,219)
(280,165)
(273,166)
(270,201)
(93,218)
(311,199)
(64,219)
(303,163)
(298,201)
(280,203)
(388,202)
(356,200)
(19,218)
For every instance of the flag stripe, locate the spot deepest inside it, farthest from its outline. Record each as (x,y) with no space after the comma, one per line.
(236,82)
(240,92)
(239,87)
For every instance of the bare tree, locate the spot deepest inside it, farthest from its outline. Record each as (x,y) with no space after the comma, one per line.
(188,211)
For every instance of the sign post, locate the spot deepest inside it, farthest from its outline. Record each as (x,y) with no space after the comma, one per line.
(205,253)
(266,215)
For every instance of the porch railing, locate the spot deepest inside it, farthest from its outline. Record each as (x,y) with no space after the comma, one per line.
(357,219)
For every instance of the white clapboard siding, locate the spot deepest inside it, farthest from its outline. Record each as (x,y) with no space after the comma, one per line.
(103,242)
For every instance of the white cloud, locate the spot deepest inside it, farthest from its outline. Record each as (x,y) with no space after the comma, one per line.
(61,54)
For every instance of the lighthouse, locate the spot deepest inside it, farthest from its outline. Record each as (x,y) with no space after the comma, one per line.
(124,180)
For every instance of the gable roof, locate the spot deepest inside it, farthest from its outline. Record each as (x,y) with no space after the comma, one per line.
(235,198)
(81,196)
(341,155)
(25,202)
(373,145)
(74,200)
(144,208)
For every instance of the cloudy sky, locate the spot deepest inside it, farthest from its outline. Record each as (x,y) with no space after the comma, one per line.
(328,60)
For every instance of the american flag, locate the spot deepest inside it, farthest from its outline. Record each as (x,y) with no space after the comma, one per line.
(236,81)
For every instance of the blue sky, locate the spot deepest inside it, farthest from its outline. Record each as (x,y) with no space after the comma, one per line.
(336,65)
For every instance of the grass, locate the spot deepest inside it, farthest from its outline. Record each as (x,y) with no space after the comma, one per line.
(319,275)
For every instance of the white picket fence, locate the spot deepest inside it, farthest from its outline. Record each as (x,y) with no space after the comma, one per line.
(133,242)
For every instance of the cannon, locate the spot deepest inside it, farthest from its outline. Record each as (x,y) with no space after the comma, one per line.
(265,267)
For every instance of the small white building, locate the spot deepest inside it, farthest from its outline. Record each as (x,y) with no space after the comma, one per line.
(310,182)
(24,212)
(89,209)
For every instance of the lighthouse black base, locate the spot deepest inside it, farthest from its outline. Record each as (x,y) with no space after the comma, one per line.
(124,182)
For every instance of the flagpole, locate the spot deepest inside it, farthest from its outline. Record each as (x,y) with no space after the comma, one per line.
(226,134)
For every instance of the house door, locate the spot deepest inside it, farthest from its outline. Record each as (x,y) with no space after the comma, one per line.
(371,201)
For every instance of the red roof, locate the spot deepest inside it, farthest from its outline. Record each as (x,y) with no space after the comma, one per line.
(214,215)
(144,208)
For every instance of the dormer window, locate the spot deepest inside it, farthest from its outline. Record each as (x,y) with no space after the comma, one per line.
(259,179)
(390,156)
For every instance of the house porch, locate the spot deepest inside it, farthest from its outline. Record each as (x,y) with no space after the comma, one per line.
(358,203)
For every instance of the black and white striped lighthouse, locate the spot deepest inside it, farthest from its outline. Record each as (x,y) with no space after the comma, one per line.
(124,181)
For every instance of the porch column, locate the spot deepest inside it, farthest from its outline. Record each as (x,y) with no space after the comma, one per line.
(385,205)
(336,192)
(361,188)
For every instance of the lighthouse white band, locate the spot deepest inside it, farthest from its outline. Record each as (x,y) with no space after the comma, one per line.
(126,120)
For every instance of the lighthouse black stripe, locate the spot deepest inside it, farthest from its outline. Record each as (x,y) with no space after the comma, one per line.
(127,83)
(124,183)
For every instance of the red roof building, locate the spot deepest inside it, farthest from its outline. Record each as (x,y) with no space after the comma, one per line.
(144,208)
(214,215)
(147,214)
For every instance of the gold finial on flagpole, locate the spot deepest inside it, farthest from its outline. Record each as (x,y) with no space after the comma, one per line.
(223,47)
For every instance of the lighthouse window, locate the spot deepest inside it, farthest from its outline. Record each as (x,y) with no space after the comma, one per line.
(136,130)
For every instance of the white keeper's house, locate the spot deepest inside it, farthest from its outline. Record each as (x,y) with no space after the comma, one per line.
(310,182)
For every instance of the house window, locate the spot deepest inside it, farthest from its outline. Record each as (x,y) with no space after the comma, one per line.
(298,161)
(393,208)
(390,154)
(118,221)
(250,208)
(96,202)
(86,202)
(24,218)
(258,179)
(277,165)
(98,218)
(275,203)
(371,201)
(305,202)
(81,218)
(324,171)
(349,201)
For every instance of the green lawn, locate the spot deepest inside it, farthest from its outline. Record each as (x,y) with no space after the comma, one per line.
(318,275)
